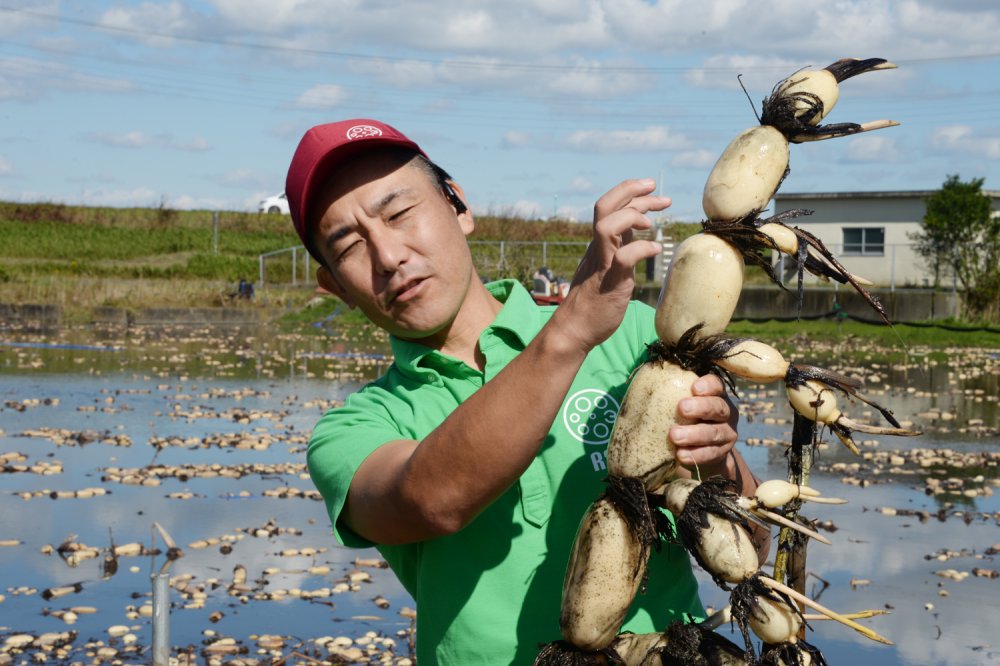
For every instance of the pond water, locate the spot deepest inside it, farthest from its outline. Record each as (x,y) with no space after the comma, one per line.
(204,432)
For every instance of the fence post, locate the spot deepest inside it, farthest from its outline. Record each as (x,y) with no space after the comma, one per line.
(295,272)
(161,619)
(892,271)
(260,270)
(545,253)
(215,232)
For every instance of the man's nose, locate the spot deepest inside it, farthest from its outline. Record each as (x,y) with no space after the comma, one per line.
(388,251)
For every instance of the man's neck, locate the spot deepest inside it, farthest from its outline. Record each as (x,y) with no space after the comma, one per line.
(461,339)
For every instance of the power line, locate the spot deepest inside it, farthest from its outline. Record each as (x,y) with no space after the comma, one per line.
(497,65)
(217,86)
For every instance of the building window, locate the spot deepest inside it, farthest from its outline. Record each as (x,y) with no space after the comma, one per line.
(865,241)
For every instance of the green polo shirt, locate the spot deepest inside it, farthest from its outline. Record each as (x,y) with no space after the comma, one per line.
(490,593)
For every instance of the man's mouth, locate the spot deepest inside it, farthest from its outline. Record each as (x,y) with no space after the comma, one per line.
(408,290)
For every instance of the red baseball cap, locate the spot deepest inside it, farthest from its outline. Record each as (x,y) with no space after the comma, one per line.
(320,152)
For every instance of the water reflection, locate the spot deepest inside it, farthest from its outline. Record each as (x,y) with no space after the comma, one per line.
(189,397)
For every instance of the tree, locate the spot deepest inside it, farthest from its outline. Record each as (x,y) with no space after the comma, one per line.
(961,231)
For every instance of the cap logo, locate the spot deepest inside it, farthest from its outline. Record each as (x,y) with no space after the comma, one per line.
(363,132)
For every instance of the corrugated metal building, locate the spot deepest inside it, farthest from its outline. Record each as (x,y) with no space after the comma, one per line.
(868,231)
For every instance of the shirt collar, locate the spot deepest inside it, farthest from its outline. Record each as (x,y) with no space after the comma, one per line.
(519,315)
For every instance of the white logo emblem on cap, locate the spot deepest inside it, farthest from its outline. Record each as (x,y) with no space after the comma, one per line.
(363,132)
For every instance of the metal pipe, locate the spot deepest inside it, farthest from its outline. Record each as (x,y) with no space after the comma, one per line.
(892,278)
(161,618)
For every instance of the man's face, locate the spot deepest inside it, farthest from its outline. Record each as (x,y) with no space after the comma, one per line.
(395,247)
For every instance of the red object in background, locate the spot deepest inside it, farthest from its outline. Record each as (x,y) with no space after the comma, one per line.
(546,292)
(543,299)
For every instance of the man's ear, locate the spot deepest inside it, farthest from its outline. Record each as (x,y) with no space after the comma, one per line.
(327,280)
(465,218)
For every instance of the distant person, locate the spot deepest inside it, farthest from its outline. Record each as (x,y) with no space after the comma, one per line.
(245,290)
(471,461)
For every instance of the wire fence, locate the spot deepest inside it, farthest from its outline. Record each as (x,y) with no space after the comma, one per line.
(896,266)
(292,265)
(493,260)
(520,259)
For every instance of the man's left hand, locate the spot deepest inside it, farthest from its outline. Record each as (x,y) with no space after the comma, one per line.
(708,441)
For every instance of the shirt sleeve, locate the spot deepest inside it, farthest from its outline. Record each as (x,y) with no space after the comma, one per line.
(342,439)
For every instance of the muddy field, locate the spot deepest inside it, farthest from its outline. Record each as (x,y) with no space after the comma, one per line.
(104,434)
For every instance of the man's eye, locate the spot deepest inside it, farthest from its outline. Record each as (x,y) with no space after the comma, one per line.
(400,215)
(347,249)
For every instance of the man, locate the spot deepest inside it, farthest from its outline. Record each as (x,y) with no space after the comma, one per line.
(471,461)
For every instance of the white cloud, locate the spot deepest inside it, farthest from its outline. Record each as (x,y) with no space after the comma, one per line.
(805,32)
(515,139)
(581,185)
(401,73)
(695,159)
(6,167)
(137,139)
(323,96)
(525,208)
(189,202)
(132,139)
(145,196)
(139,196)
(495,26)
(650,139)
(196,144)
(29,79)
(270,16)
(92,177)
(597,81)
(564,76)
(246,178)
(17,24)
(759,72)
(964,139)
(930,28)
(871,148)
(149,21)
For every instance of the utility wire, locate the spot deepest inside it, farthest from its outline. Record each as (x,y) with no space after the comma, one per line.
(496,65)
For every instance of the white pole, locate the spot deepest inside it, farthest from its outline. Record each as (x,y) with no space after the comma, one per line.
(161,619)
(892,279)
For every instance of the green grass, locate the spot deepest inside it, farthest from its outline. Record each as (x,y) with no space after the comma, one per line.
(85,257)
(149,244)
(900,336)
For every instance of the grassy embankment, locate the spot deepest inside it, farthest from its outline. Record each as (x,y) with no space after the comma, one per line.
(85,257)
(82,258)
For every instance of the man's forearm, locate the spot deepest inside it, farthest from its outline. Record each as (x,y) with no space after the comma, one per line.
(417,490)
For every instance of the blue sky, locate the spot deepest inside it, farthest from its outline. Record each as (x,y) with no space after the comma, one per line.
(535,106)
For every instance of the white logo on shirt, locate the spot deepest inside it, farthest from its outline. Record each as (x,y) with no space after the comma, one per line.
(589,416)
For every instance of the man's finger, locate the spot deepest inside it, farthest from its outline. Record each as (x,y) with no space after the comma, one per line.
(649,203)
(699,435)
(710,408)
(629,256)
(636,193)
(708,385)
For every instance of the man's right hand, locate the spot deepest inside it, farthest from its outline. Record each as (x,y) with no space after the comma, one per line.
(605,279)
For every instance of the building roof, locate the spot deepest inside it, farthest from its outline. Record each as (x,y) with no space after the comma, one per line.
(899,194)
